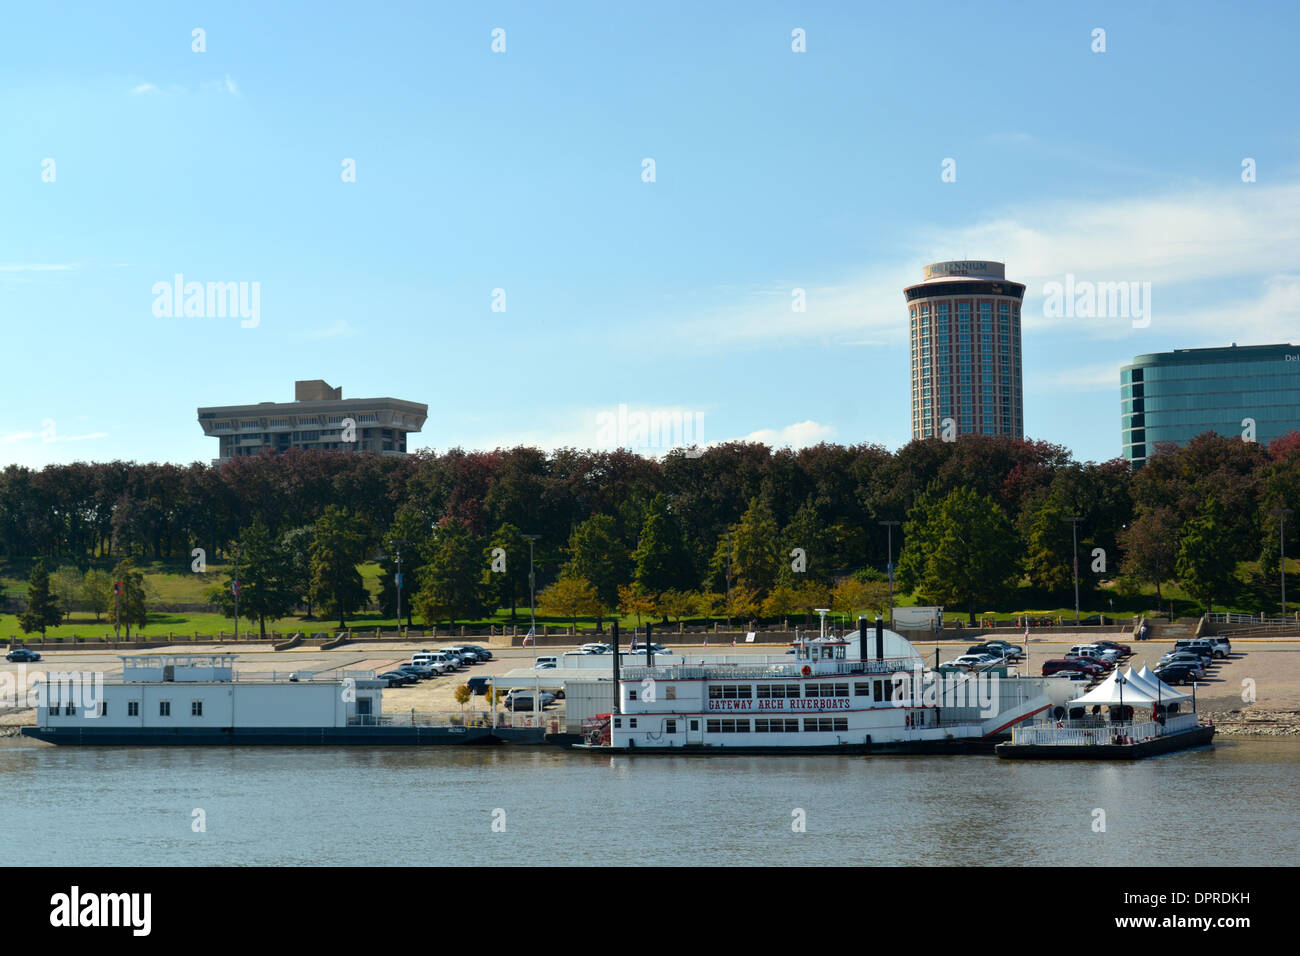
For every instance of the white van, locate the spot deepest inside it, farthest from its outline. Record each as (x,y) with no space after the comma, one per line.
(545,662)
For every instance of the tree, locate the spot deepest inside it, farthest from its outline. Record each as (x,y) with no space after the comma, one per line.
(42,607)
(660,557)
(743,604)
(67,583)
(337,548)
(1205,567)
(754,548)
(1150,546)
(851,597)
(709,605)
(599,555)
(462,695)
(408,536)
(807,533)
(456,578)
(265,574)
(297,545)
(676,604)
(632,600)
(511,585)
(781,601)
(97,591)
(958,549)
(129,603)
(569,596)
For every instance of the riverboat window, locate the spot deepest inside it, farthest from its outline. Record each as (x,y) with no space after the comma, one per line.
(618,723)
(196,708)
(631,722)
(826,690)
(862,688)
(825,724)
(631,694)
(776,725)
(69,709)
(670,693)
(730,691)
(164,708)
(770,691)
(884,690)
(133,708)
(670,726)
(727,726)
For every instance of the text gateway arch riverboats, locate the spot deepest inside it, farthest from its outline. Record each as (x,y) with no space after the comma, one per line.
(840,695)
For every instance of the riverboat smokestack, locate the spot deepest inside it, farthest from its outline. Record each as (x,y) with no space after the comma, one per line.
(614,638)
(862,638)
(880,639)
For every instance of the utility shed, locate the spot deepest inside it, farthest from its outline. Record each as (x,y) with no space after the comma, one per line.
(586,698)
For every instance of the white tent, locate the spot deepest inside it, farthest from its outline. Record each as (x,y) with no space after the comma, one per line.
(1167,694)
(1110,693)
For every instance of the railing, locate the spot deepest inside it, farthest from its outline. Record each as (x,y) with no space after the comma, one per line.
(1075,733)
(414,720)
(824,668)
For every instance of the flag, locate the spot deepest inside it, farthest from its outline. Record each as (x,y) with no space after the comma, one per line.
(1026,629)
(529,637)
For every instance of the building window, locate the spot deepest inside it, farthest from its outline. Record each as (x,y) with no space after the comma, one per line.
(670,726)
(196,708)
(164,708)
(133,708)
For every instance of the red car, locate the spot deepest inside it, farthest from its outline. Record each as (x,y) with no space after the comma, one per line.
(1122,648)
(1079,659)
(1072,664)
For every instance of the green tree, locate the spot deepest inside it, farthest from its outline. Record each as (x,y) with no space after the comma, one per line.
(958,549)
(297,545)
(455,581)
(1206,568)
(1150,546)
(851,597)
(807,532)
(67,583)
(129,603)
(266,585)
(42,607)
(660,557)
(409,537)
(597,554)
(755,552)
(632,600)
(676,604)
(511,585)
(97,591)
(569,596)
(338,546)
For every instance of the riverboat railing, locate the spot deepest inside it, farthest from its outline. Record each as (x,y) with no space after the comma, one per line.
(822,668)
(1087,731)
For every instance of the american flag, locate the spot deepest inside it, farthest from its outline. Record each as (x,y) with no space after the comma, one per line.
(529,637)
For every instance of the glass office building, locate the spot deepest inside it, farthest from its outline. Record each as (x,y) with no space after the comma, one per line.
(964,319)
(1175,396)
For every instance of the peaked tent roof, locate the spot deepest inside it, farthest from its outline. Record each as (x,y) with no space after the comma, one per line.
(1167,693)
(1109,693)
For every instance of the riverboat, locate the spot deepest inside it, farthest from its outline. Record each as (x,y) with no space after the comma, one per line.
(856,694)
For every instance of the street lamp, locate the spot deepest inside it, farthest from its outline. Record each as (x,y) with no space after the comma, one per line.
(1074,536)
(532,613)
(890,525)
(1280,514)
(397,578)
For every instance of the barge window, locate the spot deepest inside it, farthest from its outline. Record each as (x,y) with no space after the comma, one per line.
(69,709)
(133,708)
(196,708)
(164,708)
(670,726)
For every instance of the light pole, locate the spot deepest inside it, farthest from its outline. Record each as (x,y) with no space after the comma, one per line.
(1280,514)
(890,525)
(1074,536)
(532,612)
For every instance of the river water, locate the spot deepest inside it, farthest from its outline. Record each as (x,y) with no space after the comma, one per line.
(1233,804)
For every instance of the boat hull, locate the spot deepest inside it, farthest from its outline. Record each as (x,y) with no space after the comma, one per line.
(285,736)
(1146,748)
(974,745)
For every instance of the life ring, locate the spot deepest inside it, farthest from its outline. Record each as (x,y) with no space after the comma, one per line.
(1060,726)
(806,670)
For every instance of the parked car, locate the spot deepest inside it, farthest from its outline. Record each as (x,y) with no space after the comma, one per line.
(641,648)
(543,663)
(422,671)
(1208,644)
(397,678)
(21,655)
(1196,646)
(1124,649)
(465,653)
(523,700)
(425,659)
(1089,667)
(1074,675)
(972,661)
(596,648)
(1175,673)
(1184,659)
(483,653)
(1222,646)
(1096,651)
(1102,663)
(1009,652)
(478,686)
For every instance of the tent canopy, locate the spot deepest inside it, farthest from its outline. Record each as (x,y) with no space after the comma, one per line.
(1111,693)
(1167,694)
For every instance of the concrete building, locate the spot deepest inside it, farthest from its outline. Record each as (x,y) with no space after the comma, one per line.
(319,417)
(964,318)
(1240,390)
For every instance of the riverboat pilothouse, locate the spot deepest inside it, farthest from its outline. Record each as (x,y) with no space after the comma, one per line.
(862,693)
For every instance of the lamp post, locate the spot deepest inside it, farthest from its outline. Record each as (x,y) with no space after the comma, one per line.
(1280,514)
(890,565)
(1120,682)
(1074,537)
(532,612)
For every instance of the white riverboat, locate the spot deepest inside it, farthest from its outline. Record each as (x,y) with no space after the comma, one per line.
(842,695)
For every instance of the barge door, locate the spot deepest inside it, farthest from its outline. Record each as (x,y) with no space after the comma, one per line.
(694,731)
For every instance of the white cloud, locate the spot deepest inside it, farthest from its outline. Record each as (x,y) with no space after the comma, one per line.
(230,86)
(340,328)
(144,88)
(799,435)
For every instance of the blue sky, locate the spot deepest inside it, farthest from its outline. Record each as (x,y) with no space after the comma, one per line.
(522,171)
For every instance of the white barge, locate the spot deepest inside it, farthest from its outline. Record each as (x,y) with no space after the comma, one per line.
(838,695)
(197,700)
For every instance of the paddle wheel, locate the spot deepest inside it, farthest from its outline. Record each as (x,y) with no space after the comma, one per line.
(595,730)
